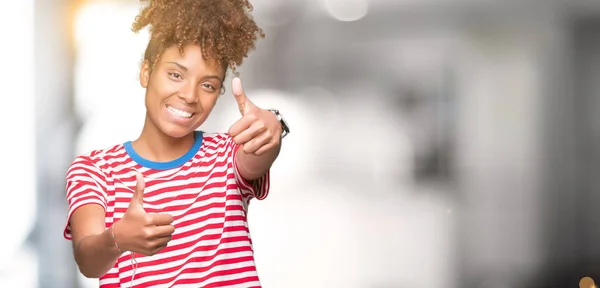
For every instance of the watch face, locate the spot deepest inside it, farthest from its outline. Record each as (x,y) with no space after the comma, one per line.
(284,125)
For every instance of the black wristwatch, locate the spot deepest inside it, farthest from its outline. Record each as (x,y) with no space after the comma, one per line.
(284,125)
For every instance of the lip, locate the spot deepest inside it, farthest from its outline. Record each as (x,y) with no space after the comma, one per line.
(177,119)
(185,109)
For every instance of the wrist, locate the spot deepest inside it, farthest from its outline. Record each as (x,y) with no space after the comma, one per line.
(114,239)
(285,128)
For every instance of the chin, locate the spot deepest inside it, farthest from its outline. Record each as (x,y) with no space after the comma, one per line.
(176,127)
(174,131)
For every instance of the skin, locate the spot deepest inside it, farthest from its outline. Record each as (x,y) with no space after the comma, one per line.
(189,83)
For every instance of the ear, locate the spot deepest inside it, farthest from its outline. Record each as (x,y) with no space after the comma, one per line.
(145,74)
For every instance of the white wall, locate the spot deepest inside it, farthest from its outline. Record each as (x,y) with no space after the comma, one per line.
(499,151)
(17,123)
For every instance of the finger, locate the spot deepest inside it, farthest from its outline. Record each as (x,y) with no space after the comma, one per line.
(262,150)
(152,248)
(159,248)
(240,97)
(158,242)
(255,130)
(255,144)
(163,231)
(162,219)
(240,125)
(137,200)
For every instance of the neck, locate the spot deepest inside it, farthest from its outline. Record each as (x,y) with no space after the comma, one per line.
(156,146)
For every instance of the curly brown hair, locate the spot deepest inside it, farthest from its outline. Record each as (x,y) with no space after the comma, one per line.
(224,29)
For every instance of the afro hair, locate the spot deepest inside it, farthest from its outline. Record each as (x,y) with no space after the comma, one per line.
(224,29)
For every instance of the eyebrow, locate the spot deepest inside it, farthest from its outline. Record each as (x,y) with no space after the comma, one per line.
(212,77)
(180,66)
(203,78)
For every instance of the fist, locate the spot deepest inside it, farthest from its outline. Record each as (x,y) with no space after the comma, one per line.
(258,130)
(139,231)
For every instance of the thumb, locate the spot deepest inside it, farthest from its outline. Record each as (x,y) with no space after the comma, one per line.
(240,97)
(138,194)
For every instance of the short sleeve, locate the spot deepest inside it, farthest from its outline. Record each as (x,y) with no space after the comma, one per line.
(83,187)
(258,188)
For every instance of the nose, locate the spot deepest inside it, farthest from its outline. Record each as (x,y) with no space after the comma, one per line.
(189,94)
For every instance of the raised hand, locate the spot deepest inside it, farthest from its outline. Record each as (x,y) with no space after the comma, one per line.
(258,131)
(139,231)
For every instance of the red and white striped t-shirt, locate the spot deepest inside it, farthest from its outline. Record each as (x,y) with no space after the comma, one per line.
(211,246)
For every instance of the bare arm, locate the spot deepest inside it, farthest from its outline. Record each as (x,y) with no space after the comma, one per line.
(252,167)
(93,246)
(257,134)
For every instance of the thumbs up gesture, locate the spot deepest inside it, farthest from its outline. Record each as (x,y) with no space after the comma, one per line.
(258,131)
(139,231)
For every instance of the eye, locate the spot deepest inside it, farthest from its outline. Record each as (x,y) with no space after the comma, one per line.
(209,86)
(175,75)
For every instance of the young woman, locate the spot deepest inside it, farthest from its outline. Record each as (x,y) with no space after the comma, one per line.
(170,207)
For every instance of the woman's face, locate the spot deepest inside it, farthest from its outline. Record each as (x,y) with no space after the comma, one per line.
(181,90)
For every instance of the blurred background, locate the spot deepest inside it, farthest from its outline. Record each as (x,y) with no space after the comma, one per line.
(435,143)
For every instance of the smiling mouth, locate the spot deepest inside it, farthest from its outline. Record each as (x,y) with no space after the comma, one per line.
(179,113)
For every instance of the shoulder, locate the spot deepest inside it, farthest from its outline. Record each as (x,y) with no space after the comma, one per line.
(217,144)
(95,160)
(215,137)
(98,156)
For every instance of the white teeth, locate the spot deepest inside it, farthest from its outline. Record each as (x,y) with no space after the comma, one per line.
(179,113)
